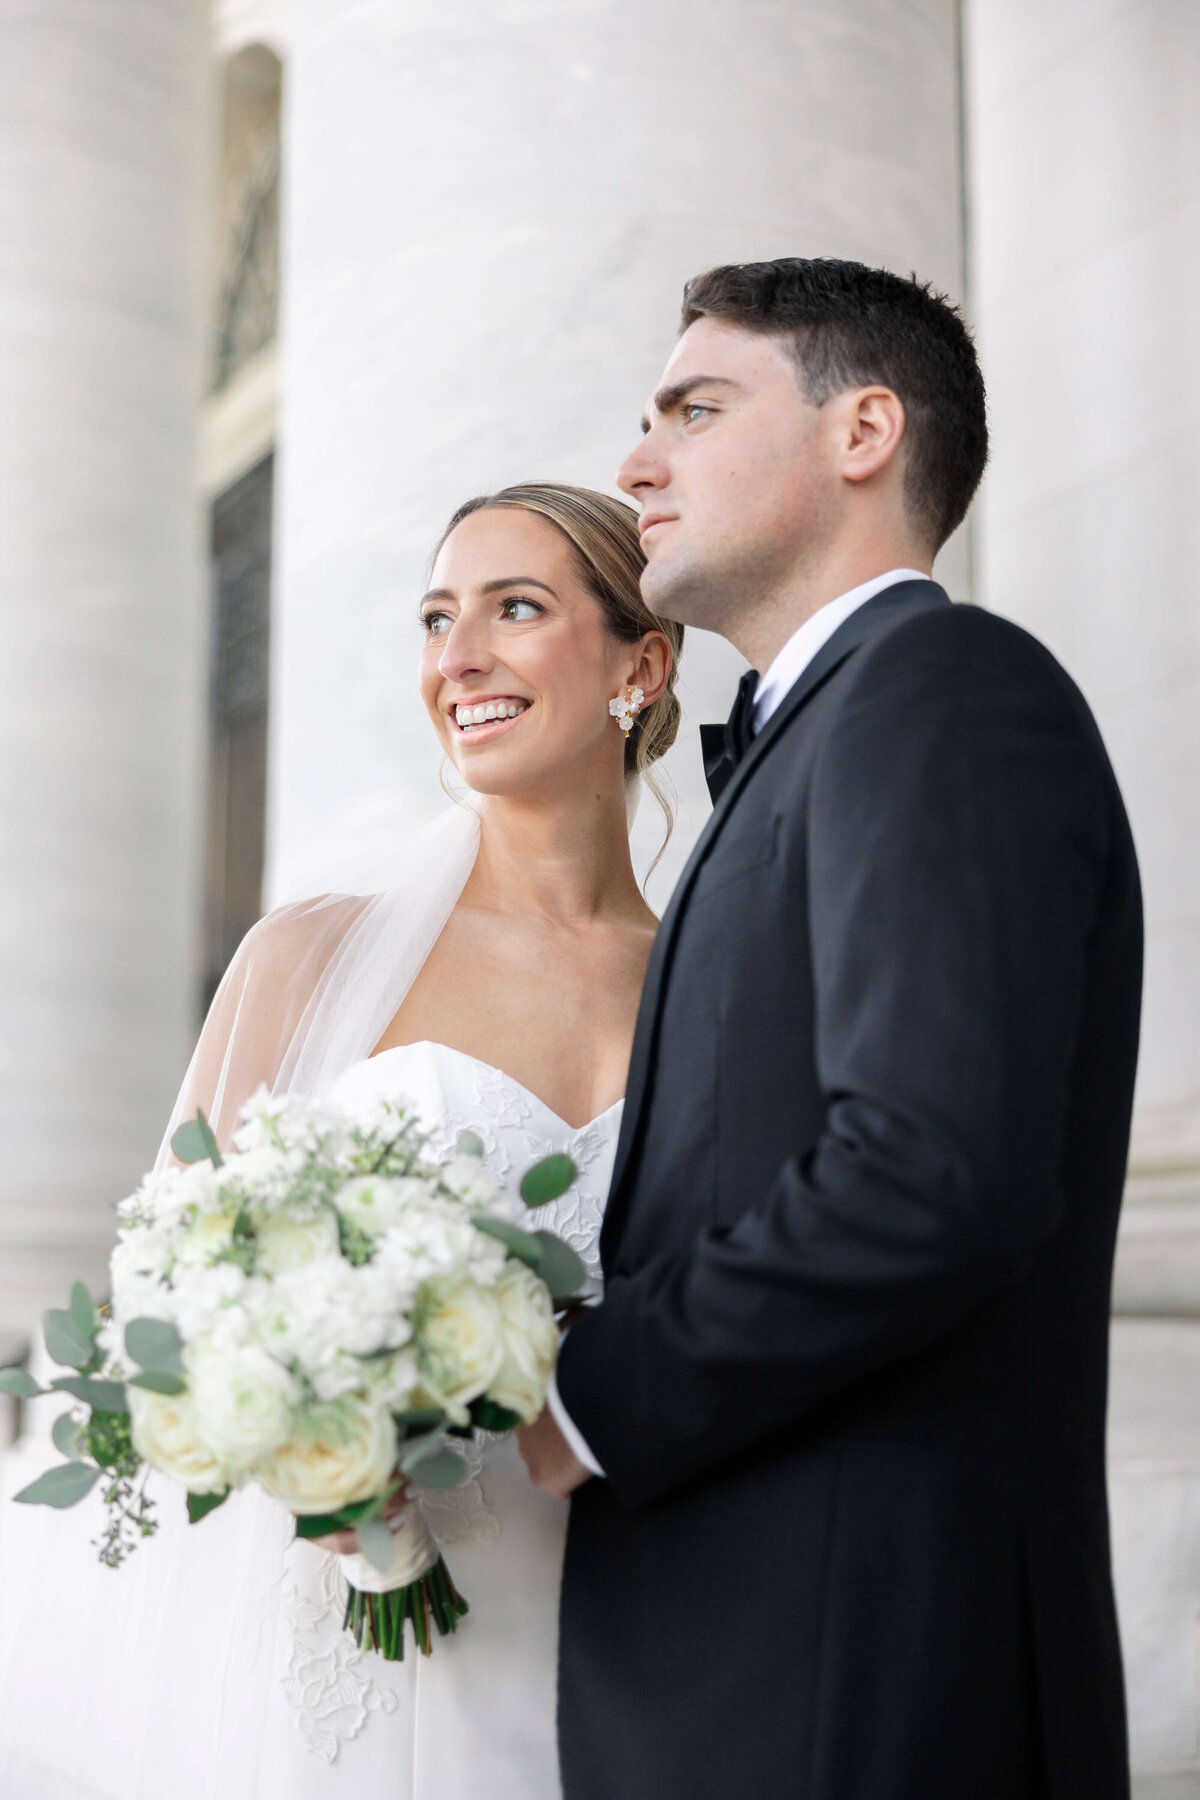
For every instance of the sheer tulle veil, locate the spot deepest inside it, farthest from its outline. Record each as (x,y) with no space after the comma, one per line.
(314,985)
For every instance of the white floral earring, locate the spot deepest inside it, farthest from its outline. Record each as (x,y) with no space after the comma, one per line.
(626,706)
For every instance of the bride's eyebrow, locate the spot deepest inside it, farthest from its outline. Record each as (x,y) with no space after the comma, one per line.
(507,581)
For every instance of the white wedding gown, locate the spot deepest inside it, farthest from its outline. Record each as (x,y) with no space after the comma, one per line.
(213,1665)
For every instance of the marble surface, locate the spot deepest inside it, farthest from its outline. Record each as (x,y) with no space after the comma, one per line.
(490,214)
(102,633)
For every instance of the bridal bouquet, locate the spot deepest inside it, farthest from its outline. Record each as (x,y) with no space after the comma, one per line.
(321,1312)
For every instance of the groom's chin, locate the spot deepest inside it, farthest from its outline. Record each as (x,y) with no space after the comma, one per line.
(675,591)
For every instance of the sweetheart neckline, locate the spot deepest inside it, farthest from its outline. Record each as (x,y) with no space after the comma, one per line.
(434,1044)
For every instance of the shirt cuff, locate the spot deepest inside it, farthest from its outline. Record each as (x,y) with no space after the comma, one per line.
(570,1430)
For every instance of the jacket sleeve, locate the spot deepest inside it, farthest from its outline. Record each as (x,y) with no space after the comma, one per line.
(959,827)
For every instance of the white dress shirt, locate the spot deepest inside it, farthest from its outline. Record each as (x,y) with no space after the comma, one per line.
(772,689)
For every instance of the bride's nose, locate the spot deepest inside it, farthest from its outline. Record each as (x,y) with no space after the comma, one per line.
(465,650)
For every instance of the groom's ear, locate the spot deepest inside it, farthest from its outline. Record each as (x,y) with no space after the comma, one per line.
(653,670)
(868,430)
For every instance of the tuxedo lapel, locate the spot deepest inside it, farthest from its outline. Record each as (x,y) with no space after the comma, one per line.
(903,597)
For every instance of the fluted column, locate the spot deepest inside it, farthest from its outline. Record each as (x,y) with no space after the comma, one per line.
(102,642)
(490,214)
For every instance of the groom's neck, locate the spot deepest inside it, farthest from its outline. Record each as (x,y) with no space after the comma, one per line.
(760,628)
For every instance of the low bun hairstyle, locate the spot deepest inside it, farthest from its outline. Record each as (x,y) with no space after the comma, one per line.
(608,553)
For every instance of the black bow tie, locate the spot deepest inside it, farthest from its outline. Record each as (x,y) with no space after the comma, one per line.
(725,745)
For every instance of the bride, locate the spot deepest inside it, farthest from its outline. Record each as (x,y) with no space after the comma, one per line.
(496,984)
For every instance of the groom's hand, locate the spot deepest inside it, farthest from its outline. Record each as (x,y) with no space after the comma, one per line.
(553,1465)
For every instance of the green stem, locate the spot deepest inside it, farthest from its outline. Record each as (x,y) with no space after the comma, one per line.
(376,1621)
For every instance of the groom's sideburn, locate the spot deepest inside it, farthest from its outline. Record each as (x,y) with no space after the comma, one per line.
(848,1380)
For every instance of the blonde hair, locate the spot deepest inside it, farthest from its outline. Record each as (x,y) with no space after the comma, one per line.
(608,553)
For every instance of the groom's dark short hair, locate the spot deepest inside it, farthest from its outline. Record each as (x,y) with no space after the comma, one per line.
(851,326)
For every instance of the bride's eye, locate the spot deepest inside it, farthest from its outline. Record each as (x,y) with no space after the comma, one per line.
(435,624)
(522,610)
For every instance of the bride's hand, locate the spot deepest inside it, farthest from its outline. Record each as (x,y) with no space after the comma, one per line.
(345,1543)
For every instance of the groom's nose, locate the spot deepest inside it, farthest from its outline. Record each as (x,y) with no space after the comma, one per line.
(642,469)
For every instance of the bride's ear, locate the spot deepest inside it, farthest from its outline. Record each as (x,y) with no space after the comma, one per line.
(652,671)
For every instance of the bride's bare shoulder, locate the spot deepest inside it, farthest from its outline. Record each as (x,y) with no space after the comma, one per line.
(302,933)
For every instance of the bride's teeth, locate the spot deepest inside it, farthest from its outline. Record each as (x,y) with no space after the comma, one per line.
(491,710)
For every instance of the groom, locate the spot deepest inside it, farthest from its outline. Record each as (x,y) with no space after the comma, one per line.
(836,1432)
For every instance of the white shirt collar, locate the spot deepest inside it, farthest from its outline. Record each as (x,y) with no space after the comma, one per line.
(803,645)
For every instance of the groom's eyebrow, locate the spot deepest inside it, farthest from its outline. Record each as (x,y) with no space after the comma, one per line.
(668,399)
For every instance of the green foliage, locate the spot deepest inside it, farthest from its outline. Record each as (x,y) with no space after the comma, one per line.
(195,1141)
(158,1384)
(470,1144)
(355,1244)
(69,1436)
(109,1438)
(63,1486)
(420,1419)
(522,1244)
(83,1311)
(65,1341)
(200,1505)
(439,1469)
(155,1345)
(103,1396)
(547,1180)
(20,1383)
(488,1416)
(560,1268)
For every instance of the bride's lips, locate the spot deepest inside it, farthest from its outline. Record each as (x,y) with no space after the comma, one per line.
(490,729)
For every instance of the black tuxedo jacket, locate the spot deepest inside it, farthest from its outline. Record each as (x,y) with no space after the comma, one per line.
(848,1377)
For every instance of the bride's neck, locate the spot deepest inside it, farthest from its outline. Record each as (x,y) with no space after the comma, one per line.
(566,859)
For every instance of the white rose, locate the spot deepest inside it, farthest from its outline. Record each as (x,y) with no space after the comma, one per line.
(243,1402)
(319,1470)
(459,1343)
(530,1342)
(285,1243)
(209,1234)
(166,1436)
(375,1204)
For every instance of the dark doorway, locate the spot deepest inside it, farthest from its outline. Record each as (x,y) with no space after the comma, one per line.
(237,791)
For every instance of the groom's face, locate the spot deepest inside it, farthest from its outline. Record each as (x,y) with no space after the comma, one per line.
(732,476)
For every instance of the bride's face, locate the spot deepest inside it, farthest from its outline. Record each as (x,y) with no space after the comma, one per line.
(517,668)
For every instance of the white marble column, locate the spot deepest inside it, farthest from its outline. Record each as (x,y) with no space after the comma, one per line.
(490,214)
(102,630)
(1085,206)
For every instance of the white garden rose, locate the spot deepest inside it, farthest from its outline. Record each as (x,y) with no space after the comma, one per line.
(347,1458)
(530,1342)
(165,1435)
(375,1204)
(209,1234)
(285,1243)
(459,1343)
(243,1401)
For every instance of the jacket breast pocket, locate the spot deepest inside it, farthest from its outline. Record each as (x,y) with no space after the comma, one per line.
(739,856)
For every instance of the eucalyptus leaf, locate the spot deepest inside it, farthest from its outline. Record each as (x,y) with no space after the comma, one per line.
(195,1140)
(560,1268)
(83,1311)
(524,1244)
(547,1180)
(419,1450)
(69,1435)
(470,1144)
(64,1340)
(62,1486)
(158,1384)
(156,1345)
(376,1542)
(200,1505)
(421,1418)
(20,1383)
(101,1396)
(441,1469)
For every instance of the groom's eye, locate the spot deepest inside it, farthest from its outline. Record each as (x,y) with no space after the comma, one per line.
(693,407)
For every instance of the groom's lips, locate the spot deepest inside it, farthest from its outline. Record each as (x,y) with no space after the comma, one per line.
(649,520)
